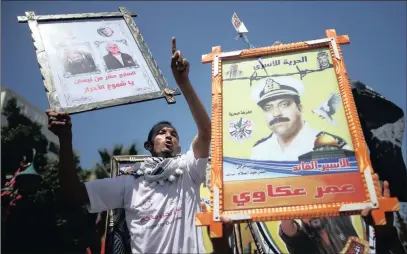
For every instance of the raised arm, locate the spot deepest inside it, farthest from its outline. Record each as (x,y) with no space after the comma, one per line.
(180,70)
(72,189)
(99,195)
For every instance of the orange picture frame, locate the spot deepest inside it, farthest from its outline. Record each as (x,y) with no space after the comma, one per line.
(221,196)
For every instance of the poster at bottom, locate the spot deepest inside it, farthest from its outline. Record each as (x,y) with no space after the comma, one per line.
(345,234)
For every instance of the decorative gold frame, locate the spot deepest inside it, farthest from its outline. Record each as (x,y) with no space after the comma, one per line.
(373,199)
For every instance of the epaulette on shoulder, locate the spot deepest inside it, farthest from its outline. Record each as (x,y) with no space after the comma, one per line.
(341,141)
(262,140)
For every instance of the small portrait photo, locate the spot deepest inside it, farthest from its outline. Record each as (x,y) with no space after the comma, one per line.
(105,31)
(116,55)
(323,60)
(77,59)
(234,71)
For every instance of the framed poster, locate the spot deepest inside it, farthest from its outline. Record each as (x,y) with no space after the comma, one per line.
(95,60)
(286,138)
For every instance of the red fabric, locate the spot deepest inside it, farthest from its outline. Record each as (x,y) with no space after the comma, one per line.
(102,249)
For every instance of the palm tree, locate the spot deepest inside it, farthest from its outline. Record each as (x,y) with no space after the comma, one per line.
(102,169)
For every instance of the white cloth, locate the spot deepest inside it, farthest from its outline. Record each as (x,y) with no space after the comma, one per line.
(160,219)
(158,170)
(119,58)
(270,149)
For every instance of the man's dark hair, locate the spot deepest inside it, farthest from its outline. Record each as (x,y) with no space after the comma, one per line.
(296,98)
(157,127)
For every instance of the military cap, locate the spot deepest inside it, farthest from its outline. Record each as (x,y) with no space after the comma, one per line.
(271,87)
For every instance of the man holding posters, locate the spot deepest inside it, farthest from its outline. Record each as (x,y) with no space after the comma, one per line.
(162,197)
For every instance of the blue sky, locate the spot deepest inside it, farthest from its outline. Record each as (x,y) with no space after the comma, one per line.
(376,55)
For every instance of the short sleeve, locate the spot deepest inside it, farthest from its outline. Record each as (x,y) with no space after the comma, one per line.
(106,194)
(196,167)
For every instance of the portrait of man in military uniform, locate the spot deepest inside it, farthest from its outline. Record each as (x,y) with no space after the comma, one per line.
(291,136)
(77,61)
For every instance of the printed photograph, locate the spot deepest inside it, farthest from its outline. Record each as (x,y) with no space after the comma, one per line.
(77,59)
(105,31)
(285,134)
(116,55)
(286,119)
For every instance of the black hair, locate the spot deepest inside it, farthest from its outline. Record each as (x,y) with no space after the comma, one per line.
(296,98)
(157,127)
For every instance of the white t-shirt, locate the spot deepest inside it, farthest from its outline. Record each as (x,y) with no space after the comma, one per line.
(160,219)
(303,143)
(270,149)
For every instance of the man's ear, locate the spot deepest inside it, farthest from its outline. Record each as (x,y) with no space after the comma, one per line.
(300,107)
(148,146)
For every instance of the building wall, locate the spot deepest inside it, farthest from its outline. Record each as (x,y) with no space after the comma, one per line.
(35,114)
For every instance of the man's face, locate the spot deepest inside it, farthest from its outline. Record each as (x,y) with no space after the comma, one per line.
(283,116)
(315,223)
(113,48)
(166,142)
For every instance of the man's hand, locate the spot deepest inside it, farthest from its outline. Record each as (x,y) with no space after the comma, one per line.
(387,238)
(72,189)
(221,245)
(289,228)
(180,70)
(179,65)
(383,192)
(59,123)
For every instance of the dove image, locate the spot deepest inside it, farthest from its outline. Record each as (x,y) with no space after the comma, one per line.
(329,108)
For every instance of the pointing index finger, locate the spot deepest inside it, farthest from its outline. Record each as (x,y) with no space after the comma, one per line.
(174,45)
